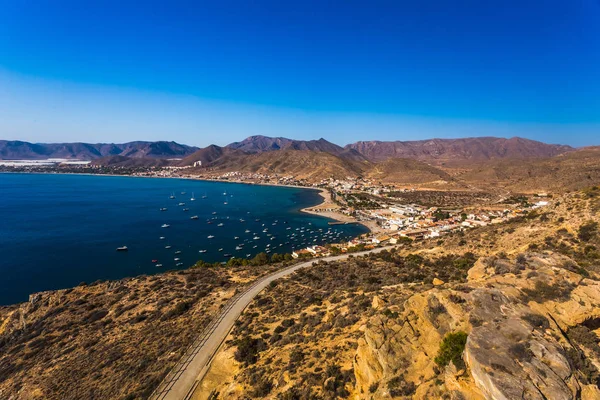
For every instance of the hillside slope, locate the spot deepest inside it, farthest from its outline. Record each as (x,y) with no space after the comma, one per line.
(452,150)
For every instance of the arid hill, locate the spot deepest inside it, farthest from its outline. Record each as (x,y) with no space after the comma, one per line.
(303,164)
(570,171)
(452,150)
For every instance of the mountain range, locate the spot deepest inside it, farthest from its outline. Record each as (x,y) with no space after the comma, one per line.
(18,150)
(467,163)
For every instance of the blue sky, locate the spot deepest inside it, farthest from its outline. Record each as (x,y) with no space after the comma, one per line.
(215,72)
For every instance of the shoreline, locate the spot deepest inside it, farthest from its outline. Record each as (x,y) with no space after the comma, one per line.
(336,216)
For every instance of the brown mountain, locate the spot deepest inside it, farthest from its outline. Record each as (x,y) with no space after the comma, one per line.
(303,164)
(19,150)
(456,150)
(260,144)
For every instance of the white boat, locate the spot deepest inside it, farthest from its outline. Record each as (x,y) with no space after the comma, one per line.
(247,231)
(186,209)
(181,204)
(214,213)
(167,247)
(225,203)
(247,255)
(238,248)
(220,224)
(165,225)
(163,209)
(182,192)
(172,196)
(178,252)
(122,248)
(179,264)
(162,238)
(235,238)
(192,198)
(201,251)
(221,249)
(194,217)
(176,259)
(256,238)
(205,196)
(210,236)
(158,265)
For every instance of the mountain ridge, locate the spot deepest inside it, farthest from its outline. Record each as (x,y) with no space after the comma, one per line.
(18,150)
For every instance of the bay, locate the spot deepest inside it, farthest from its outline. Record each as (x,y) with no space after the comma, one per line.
(59,230)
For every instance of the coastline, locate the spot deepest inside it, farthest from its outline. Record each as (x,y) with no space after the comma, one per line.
(326,208)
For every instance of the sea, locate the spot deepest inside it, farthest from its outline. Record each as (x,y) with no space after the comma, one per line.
(58,230)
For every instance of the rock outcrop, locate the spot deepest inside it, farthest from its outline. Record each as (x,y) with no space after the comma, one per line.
(527,324)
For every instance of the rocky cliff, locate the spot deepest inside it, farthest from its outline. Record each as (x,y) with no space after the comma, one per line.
(531,335)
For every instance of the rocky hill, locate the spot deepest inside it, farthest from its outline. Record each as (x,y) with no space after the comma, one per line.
(18,150)
(452,150)
(259,144)
(303,164)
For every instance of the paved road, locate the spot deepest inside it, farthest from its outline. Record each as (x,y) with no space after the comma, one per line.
(187,374)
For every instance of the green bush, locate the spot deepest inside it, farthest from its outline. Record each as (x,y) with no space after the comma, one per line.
(451,349)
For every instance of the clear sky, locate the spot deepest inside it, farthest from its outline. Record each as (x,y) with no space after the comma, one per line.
(202,72)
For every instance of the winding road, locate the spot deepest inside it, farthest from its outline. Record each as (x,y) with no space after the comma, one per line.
(186,375)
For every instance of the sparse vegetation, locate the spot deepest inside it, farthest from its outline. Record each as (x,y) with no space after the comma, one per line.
(451,349)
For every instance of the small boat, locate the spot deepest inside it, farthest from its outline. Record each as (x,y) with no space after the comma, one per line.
(182,192)
(179,264)
(162,238)
(210,237)
(192,198)
(178,252)
(163,209)
(225,193)
(221,249)
(172,196)
(194,217)
(248,255)
(168,247)
(214,213)
(205,196)
(201,251)
(165,225)
(176,259)
(226,255)
(225,203)
(122,248)
(242,220)
(181,204)
(220,224)
(186,209)
(256,238)
(158,265)
(238,248)
(247,231)
(154,261)
(235,238)
(209,222)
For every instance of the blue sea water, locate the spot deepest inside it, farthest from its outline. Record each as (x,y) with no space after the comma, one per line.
(59,230)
